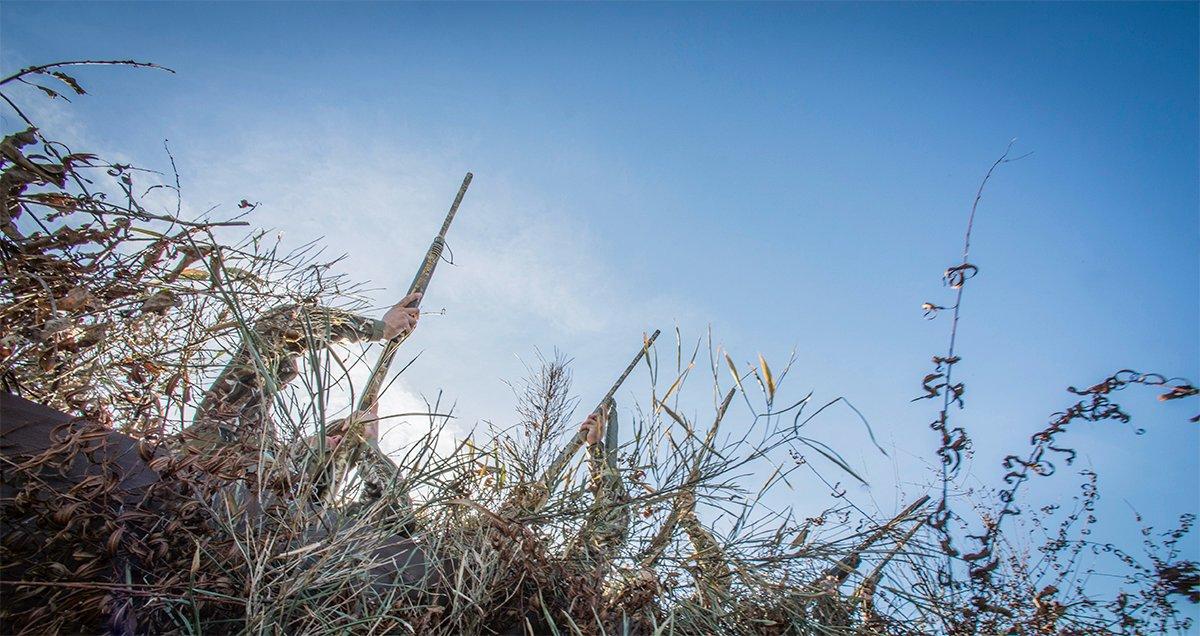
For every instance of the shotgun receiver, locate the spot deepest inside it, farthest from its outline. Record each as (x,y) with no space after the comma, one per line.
(560,463)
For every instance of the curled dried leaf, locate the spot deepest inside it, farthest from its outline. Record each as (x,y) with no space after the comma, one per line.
(78,298)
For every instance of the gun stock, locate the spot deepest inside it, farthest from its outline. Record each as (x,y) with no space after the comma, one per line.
(576,442)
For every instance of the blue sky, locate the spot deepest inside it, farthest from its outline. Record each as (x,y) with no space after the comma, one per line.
(795,175)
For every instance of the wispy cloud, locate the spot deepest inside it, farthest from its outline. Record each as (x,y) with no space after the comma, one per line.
(521,259)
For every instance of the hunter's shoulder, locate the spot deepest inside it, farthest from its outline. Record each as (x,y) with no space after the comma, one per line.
(293,312)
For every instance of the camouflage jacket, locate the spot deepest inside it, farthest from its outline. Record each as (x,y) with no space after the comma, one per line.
(606,526)
(237,405)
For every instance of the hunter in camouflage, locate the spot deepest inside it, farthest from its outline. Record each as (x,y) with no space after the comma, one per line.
(237,406)
(606,527)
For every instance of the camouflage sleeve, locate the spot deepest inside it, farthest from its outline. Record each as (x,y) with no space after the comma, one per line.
(238,401)
(335,325)
(712,572)
(606,527)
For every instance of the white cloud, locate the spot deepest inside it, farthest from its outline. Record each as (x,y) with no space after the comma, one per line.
(407,411)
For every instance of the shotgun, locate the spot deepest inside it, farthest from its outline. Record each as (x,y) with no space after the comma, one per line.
(560,463)
(375,383)
(382,464)
(841,570)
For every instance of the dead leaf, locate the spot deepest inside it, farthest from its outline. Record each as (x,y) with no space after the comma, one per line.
(51,92)
(767,377)
(801,537)
(76,299)
(733,370)
(196,559)
(69,81)
(160,302)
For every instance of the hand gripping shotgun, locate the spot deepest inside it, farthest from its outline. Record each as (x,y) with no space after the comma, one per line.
(554,472)
(379,463)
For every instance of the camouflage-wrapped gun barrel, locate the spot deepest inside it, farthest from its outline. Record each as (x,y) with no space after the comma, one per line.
(379,467)
(375,383)
(554,472)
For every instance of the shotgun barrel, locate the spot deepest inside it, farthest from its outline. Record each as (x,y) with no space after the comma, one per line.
(560,463)
(420,282)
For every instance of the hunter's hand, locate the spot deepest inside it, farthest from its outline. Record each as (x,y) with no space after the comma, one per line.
(337,431)
(593,426)
(371,427)
(401,319)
